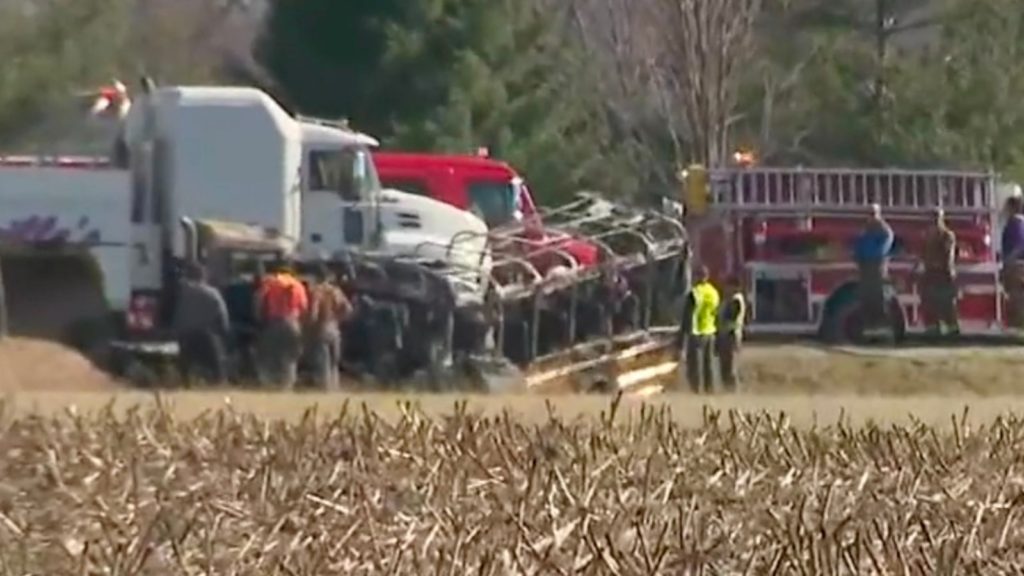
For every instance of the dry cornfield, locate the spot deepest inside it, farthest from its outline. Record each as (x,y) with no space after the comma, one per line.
(625,492)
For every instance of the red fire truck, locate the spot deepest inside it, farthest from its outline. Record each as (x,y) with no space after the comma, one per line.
(788,233)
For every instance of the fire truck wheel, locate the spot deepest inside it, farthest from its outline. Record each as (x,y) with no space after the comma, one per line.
(844,324)
(897,321)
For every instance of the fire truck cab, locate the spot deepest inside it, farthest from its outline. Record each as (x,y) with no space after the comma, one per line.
(487,187)
(478,184)
(788,234)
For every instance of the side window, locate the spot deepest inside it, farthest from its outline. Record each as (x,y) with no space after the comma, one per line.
(324,170)
(349,173)
(411,186)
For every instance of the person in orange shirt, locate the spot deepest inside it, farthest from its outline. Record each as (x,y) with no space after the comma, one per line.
(281,303)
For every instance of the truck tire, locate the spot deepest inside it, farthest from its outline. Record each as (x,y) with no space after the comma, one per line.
(845,325)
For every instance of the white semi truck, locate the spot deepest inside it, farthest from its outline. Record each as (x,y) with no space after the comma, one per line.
(93,243)
(223,175)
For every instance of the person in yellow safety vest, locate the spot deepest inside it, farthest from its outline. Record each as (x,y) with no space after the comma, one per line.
(730,333)
(698,329)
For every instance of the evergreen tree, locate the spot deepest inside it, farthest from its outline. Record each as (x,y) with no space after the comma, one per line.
(325,58)
(502,74)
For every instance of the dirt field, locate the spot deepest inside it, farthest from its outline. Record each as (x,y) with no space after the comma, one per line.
(35,365)
(944,371)
(839,462)
(767,370)
(810,384)
(148,492)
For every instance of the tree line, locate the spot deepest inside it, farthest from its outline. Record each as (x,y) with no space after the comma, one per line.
(615,95)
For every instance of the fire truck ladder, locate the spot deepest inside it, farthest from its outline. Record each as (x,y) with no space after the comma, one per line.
(766,190)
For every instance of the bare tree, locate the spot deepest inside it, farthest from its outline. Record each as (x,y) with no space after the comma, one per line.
(674,60)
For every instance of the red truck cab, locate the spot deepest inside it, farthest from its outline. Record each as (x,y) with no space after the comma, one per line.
(490,188)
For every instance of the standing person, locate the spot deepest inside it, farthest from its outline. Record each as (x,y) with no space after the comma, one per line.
(328,308)
(201,325)
(240,296)
(1012,246)
(698,330)
(938,283)
(730,333)
(281,303)
(871,253)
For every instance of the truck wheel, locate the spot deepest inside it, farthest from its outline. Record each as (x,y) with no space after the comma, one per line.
(384,368)
(897,321)
(844,325)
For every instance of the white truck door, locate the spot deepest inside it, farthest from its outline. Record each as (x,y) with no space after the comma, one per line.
(338,211)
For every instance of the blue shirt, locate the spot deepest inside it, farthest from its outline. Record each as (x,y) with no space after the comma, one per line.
(875,243)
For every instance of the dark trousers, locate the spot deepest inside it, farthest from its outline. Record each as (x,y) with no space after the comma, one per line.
(201,356)
(278,352)
(1013,285)
(872,294)
(324,358)
(938,298)
(699,357)
(728,348)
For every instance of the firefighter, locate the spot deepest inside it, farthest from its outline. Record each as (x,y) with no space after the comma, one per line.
(871,253)
(730,333)
(938,283)
(1012,249)
(328,309)
(282,301)
(201,325)
(697,330)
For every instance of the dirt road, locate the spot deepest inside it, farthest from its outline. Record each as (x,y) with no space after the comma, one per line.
(28,365)
(806,369)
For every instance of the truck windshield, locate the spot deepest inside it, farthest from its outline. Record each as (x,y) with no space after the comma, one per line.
(495,202)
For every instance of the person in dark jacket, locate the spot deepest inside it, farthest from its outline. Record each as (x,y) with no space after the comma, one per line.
(871,253)
(1012,246)
(201,325)
(733,311)
(239,297)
